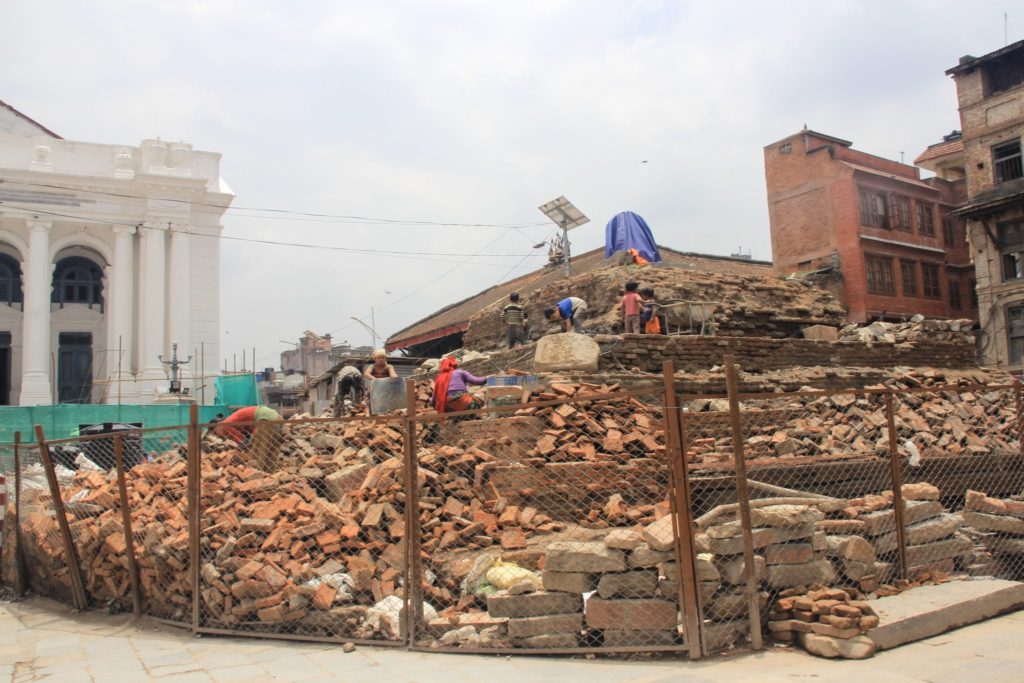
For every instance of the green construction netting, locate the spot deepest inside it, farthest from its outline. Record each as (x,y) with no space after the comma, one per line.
(62,421)
(236,390)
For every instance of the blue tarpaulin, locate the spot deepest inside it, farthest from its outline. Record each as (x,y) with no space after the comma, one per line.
(626,231)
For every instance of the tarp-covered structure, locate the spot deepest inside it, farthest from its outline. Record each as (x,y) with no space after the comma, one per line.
(626,231)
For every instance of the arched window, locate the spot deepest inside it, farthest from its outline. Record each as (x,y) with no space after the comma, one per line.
(10,280)
(77,280)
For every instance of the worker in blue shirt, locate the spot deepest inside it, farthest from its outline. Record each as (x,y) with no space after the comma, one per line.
(570,311)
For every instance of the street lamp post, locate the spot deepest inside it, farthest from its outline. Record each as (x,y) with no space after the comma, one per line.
(370,327)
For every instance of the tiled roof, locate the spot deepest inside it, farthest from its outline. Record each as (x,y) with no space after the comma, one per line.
(455,317)
(942,149)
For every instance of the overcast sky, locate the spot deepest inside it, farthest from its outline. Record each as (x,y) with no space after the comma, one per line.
(468,111)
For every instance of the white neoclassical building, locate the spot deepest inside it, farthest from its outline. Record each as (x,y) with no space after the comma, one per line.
(108,255)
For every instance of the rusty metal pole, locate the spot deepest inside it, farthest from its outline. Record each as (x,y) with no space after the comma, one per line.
(126,522)
(194,493)
(682,516)
(1020,416)
(414,560)
(70,556)
(896,474)
(743,496)
(21,582)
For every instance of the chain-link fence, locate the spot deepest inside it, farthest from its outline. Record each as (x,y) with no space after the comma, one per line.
(849,495)
(590,519)
(547,526)
(303,529)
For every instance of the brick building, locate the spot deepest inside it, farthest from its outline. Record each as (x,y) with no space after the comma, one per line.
(990,92)
(869,229)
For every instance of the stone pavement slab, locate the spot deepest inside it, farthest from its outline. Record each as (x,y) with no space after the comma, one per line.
(44,641)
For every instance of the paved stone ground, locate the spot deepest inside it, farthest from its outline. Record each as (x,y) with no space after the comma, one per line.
(44,641)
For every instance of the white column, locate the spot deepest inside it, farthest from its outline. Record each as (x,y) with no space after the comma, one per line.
(120,307)
(180,294)
(152,275)
(35,355)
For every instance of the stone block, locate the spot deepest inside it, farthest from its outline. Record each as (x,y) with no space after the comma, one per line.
(533,604)
(882,521)
(790,575)
(566,351)
(659,535)
(930,530)
(732,605)
(734,545)
(706,571)
(631,615)
(548,641)
(823,629)
(528,627)
(850,548)
(975,501)
(784,515)
(857,647)
(725,634)
(623,539)
(789,553)
(615,638)
(590,556)
(568,582)
(939,550)
(821,333)
(733,570)
(644,557)
(1001,524)
(920,491)
(640,583)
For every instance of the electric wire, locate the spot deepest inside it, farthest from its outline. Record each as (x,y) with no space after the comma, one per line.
(290,212)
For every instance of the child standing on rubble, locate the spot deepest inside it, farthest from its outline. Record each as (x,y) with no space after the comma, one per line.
(650,311)
(514,317)
(631,309)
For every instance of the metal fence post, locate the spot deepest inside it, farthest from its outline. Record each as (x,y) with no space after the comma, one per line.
(413,614)
(126,522)
(194,493)
(1019,413)
(682,515)
(896,474)
(743,496)
(70,556)
(20,564)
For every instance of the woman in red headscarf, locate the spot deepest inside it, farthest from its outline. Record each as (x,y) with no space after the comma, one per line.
(451,388)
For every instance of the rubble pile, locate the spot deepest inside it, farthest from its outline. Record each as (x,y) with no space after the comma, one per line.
(946,423)
(829,622)
(900,333)
(998,524)
(741,305)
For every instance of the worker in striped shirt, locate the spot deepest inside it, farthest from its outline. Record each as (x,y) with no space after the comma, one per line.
(514,317)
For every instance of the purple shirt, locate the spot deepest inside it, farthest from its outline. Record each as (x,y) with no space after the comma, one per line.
(460,378)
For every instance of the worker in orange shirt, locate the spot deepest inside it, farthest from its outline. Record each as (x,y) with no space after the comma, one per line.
(261,427)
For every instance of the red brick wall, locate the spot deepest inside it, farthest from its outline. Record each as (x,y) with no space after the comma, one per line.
(814,211)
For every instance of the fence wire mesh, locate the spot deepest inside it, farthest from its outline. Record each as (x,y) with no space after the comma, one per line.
(543,526)
(42,544)
(303,529)
(547,526)
(154,533)
(9,568)
(962,471)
